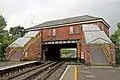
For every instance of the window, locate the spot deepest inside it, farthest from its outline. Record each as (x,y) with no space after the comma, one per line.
(77,29)
(49,32)
(71,30)
(53,32)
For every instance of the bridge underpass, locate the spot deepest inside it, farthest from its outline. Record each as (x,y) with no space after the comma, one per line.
(53,51)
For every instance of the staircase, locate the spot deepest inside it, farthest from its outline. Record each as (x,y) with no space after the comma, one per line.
(10,53)
(101,50)
(15,51)
(98,57)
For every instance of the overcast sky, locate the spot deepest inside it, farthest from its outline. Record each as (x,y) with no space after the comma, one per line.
(31,12)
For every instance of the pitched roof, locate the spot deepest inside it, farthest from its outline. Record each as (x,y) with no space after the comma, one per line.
(31,34)
(22,41)
(93,34)
(96,37)
(65,21)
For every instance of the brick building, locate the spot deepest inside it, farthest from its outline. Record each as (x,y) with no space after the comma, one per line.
(79,32)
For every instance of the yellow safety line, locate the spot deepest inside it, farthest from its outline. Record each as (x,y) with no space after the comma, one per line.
(75,74)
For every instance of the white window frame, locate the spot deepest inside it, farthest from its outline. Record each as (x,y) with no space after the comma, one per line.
(71,30)
(54,32)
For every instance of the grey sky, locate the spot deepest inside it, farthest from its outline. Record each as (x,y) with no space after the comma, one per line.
(31,12)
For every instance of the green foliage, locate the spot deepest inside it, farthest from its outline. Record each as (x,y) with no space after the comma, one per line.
(116,40)
(64,51)
(17,31)
(2,35)
(6,38)
(118,24)
(67,51)
(2,23)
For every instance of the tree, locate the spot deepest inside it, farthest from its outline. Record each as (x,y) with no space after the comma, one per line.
(118,24)
(6,38)
(2,40)
(115,37)
(17,31)
(2,26)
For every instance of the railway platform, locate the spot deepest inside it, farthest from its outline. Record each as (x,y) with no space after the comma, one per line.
(68,73)
(77,72)
(7,65)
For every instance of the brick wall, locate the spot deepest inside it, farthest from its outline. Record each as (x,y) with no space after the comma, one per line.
(34,48)
(103,27)
(62,33)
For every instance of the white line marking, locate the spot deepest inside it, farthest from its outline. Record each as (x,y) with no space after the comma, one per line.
(15,65)
(64,72)
(89,76)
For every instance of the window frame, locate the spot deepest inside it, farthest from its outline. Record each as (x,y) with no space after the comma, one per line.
(77,30)
(71,30)
(54,32)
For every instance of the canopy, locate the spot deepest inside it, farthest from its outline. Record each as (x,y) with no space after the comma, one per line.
(22,41)
(97,37)
(93,34)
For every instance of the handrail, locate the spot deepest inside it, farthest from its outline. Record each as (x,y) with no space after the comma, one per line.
(107,53)
(11,53)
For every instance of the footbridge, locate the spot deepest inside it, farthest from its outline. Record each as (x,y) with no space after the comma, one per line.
(88,35)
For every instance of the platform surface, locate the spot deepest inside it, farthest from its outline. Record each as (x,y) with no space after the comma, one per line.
(91,73)
(68,73)
(6,65)
(98,73)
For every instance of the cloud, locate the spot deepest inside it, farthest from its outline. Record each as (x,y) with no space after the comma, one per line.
(31,12)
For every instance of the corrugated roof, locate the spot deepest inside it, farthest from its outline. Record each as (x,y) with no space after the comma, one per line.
(97,37)
(65,21)
(31,34)
(90,27)
(20,42)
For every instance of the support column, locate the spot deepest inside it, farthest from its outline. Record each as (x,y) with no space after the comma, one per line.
(87,55)
(78,55)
